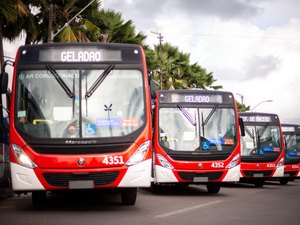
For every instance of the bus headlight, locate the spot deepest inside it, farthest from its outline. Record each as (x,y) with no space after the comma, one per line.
(139,155)
(164,162)
(280,163)
(234,161)
(22,158)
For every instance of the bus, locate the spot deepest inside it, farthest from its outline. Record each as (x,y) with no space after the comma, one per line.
(291,134)
(196,138)
(5,181)
(262,148)
(80,118)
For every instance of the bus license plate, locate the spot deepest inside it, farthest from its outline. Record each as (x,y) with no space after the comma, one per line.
(258,175)
(200,179)
(81,184)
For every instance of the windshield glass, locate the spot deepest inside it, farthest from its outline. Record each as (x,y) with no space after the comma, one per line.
(261,140)
(197,129)
(292,145)
(44,109)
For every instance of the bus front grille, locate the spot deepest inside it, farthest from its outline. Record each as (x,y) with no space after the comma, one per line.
(251,173)
(63,179)
(189,176)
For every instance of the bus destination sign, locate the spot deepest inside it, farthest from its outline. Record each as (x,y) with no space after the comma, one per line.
(288,129)
(79,55)
(257,119)
(192,98)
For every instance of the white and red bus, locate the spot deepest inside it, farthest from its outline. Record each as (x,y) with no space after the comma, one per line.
(262,148)
(80,118)
(196,138)
(291,134)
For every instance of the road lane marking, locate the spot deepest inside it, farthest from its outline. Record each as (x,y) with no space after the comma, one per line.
(187,209)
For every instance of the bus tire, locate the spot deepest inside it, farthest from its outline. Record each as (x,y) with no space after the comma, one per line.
(283,181)
(38,198)
(128,196)
(213,188)
(259,183)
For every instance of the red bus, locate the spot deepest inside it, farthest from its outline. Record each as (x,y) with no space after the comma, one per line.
(291,134)
(80,118)
(262,148)
(196,138)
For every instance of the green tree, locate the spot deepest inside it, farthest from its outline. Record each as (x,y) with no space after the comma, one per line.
(172,69)
(114,29)
(242,107)
(10,12)
(71,30)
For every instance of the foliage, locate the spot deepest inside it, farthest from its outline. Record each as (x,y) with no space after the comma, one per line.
(242,107)
(172,69)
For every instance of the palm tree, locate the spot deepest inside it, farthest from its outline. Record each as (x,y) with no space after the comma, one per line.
(114,29)
(173,70)
(68,19)
(10,12)
(242,107)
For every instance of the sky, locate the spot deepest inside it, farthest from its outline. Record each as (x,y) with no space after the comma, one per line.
(252,47)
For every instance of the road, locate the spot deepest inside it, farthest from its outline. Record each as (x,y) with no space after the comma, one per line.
(239,204)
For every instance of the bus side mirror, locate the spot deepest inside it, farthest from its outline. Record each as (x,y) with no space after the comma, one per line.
(4,82)
(153,89)
(242,127)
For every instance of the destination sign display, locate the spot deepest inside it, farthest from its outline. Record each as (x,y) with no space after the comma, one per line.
(265,119)
(259,118)
(79,55)
(195,97)
(288,129)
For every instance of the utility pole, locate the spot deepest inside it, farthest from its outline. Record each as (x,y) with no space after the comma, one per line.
(242,97)
(160,40)
(50,24)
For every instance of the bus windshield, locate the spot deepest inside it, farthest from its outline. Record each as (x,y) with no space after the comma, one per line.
(261,140)
(77,105)
(292,144)
(197,129)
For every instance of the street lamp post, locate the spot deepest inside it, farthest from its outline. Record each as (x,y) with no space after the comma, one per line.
(261,103)
(160,38)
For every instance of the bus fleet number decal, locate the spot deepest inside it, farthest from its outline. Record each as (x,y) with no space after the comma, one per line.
(113,160)
(217,165)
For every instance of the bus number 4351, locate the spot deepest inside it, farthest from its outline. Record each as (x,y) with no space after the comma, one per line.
(113,160)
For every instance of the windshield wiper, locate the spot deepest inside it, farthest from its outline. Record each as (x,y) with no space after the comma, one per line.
(249,132)
(209,116)
(187,115)
(99,80)
(60,81)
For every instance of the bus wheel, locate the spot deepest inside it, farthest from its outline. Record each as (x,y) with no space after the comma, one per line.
(38,198)
(213,188)
(283,181)
(259,183)
(128,196)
